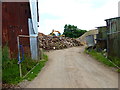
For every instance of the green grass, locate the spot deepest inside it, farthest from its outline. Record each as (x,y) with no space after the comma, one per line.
(37,69)
(10,68)
(27,65)
(11,75)
(115,60)
(10,72)
(98,56)
(5,53)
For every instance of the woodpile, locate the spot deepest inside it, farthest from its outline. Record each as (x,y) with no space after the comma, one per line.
(56,43)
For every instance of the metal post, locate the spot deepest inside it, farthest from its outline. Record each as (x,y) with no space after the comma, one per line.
(38,46)
(19,56)
(20,70)
(19,50)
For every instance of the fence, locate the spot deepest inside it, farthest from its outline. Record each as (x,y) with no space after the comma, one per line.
(26,51)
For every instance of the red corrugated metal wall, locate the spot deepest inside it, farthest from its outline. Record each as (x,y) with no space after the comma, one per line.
(15,22)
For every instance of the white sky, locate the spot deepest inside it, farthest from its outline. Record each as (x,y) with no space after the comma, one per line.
(85,14)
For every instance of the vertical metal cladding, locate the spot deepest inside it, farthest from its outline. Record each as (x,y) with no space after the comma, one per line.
(15,22)
(113,26)
(90,40)
(102,38)
(33,29)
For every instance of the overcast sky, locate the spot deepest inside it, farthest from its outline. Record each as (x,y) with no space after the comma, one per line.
(85,14)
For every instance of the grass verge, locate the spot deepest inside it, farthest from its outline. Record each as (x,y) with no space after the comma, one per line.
(33,73)
(99,56)
(10,68)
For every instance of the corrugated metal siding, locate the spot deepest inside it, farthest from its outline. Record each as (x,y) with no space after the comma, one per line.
(33,42)
(33,29)
(90,40)
(102,38)
(113,37)
(102,32)
(34,15)
(15,22)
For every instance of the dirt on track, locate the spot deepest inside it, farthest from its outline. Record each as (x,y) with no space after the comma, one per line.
(72,68)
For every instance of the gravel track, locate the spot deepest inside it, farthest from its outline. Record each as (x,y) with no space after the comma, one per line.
(72,68)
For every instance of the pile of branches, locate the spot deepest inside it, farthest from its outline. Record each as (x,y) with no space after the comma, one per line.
(56,43)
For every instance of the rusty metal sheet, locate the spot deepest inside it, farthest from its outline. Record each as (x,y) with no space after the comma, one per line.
(15,22)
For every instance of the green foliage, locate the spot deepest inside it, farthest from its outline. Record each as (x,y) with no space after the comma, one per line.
(72,31)
(0,52)
(37,69)
(27,65)
(115,60)
(5,53)
(118,70)
(45,57)
(10,72)
(99,56)
(10,68)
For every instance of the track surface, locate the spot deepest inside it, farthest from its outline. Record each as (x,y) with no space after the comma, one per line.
(71,68)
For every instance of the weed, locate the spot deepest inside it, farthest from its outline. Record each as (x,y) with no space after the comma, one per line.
(10,72)
(37,69)
(10,68)
(27,65)
(5,53)
(98,56)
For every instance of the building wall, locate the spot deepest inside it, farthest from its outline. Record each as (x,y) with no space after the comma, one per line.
(102,32)
(34,15)
(90,41)
(102,38)
(33,29)
(90,32)
(113,41)
(33,42)
(15,22)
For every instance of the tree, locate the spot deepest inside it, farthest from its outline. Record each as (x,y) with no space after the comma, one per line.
(72,31)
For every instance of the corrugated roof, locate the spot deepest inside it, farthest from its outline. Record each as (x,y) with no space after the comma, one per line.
(112,18)
(101,26)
